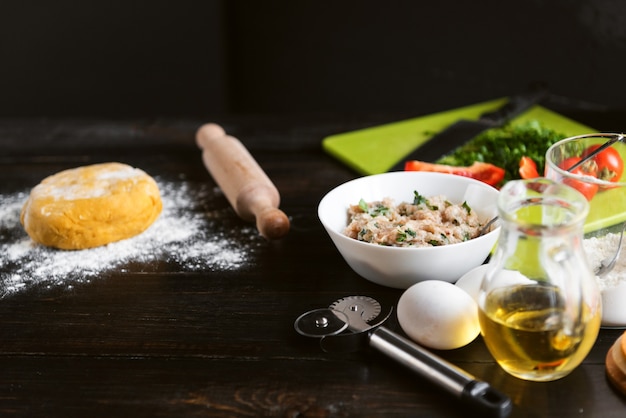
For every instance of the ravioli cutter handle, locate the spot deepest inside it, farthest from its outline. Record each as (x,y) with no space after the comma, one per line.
(463,385)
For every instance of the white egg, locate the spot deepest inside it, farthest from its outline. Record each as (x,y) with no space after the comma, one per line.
(438,315)
(471,281)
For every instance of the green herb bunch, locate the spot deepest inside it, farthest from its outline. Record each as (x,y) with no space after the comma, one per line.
(505,147)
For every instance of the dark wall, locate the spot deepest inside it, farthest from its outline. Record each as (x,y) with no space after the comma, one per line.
(111,58)
(198,58)
(423,55)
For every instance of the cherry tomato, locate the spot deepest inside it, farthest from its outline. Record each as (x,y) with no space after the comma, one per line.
(588,189)
(528,168)
(609,162)
(588,168)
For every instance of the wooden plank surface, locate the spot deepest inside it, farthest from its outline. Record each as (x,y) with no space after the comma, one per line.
(158,339)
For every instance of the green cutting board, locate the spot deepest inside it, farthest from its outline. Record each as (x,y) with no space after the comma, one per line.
(375,150)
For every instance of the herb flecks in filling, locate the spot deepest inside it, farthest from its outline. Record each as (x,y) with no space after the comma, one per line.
(425,221)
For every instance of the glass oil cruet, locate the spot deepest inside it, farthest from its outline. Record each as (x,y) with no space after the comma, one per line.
(539,303)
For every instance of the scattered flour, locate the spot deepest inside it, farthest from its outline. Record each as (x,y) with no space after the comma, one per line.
(188,235)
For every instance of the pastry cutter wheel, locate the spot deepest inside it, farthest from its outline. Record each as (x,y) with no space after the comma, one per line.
(354,322)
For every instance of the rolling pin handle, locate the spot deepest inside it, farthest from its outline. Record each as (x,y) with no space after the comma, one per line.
(272,223)
(209,131)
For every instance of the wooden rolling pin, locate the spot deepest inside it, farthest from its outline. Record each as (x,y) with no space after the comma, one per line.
(248,189)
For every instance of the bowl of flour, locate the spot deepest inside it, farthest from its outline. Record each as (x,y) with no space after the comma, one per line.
(613,285)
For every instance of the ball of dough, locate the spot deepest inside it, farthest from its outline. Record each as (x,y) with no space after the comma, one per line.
(90,206)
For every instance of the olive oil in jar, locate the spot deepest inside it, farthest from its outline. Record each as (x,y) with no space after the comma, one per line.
(539,304)
(525,329)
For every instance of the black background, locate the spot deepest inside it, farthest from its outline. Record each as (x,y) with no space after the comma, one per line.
(203,58)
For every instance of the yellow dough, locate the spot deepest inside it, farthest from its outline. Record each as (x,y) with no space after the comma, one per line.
(90,206)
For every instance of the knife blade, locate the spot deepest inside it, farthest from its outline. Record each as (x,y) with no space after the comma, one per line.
(463,130)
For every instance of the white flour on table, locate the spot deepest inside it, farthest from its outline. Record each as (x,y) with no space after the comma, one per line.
(185,235)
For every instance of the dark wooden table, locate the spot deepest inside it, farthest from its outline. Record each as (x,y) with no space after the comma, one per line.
(155,340)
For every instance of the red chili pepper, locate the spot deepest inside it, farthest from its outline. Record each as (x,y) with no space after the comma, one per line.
(528,168)
(485,172)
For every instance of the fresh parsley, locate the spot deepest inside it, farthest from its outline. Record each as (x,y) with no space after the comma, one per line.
(418,199)
(363,206)
(374,211)
(505,146)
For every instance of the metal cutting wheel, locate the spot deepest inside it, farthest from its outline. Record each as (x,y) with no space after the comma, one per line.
(360,310)
(352,322)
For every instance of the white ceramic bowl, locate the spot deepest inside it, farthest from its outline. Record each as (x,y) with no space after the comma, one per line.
(401,267)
